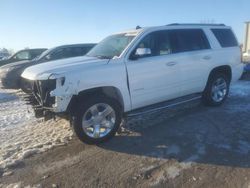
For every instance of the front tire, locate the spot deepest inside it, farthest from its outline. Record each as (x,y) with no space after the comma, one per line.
(217,90)
(97,119)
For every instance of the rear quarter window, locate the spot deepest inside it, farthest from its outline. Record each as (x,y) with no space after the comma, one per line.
(225,37)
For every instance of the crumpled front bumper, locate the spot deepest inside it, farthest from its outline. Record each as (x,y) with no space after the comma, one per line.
(40,98)
(43,102)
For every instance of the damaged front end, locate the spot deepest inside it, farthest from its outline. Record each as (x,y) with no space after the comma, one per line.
(49,97)
(40,98)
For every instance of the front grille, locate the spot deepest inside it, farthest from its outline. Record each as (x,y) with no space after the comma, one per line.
(41,91)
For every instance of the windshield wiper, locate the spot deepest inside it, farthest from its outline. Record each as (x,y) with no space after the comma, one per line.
(103,57)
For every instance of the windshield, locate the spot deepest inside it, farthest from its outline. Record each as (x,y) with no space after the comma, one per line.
(111,46)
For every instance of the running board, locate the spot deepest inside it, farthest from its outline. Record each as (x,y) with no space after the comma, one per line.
(163,105)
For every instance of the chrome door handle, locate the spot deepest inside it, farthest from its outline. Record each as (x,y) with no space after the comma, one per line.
(207,57)
(171,63)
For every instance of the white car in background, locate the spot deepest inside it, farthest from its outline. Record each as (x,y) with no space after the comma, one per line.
(135,72)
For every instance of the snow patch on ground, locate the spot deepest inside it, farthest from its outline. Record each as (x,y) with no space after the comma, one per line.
(7,95)
(21,134)
(13,185)
(173,172)
(19,185)
(14,112)
(167,171)
(240,88)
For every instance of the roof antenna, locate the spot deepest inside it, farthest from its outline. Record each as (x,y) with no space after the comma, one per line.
(138,27)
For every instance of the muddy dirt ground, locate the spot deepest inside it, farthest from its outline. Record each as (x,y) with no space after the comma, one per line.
(188,146)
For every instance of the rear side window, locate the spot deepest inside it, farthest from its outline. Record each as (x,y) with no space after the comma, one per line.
(185,40)
(225,37)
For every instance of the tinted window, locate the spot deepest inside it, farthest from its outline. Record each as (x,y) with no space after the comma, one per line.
(35,53)
(189,40)
(67,52)
(225,37)
(58,54)
(158,43)
(79,51)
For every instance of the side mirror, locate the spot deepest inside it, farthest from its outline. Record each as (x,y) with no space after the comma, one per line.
(140,52)
(143,52)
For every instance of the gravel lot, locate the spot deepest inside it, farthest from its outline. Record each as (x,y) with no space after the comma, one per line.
(188,146)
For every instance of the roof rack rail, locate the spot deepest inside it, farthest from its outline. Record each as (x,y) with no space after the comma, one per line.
(197,24)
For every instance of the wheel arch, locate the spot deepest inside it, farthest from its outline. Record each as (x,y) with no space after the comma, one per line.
(108,91)
(225,69)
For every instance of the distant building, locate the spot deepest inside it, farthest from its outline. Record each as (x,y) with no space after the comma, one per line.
(246,45)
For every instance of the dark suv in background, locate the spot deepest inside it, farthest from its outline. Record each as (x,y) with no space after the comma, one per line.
(10,75)
(21,55)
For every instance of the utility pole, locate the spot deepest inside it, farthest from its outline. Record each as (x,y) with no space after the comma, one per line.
(246,45)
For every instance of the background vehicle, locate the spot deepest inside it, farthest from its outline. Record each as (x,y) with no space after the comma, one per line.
(137,72)
(21,55)
(10,74)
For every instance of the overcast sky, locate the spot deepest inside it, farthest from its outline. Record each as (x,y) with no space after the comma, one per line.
(48,23)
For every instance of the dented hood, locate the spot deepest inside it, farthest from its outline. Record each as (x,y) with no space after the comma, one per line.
(45,70)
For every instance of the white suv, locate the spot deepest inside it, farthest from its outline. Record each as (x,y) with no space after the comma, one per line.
(136,72)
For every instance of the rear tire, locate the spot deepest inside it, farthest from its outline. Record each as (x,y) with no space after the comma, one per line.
(216,90)
(88,125)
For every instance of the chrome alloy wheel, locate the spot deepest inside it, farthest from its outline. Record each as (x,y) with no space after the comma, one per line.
(219,89)
(98,120)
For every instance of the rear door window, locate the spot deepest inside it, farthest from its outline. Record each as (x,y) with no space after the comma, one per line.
(185,40)
(225,37)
